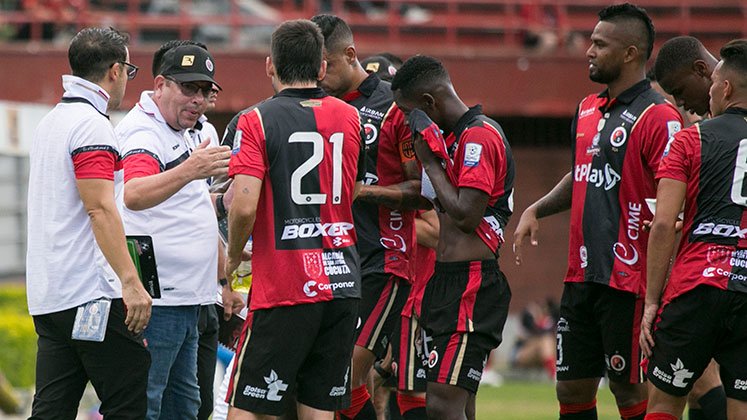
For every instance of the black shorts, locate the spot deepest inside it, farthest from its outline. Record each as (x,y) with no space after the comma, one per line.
(701,324)
(409,357)
(465,306)
(598,331)
(304,350)
(383,297)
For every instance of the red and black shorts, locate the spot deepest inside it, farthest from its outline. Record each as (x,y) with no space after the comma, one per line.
(382,298)
(409,358)
(598,331)
(465,306)
(704,323)
(304,350)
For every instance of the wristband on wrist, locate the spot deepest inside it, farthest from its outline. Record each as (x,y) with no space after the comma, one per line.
(220,208)
(222,282)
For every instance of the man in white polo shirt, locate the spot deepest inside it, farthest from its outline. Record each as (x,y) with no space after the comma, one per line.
(165,196)
(89,323)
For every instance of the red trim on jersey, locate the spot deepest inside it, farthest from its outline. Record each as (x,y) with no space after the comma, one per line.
(375,317)
(139,165)
(351,96)
(95,164)
(635,345)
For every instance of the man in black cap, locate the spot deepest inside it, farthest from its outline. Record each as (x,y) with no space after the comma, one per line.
(165,197)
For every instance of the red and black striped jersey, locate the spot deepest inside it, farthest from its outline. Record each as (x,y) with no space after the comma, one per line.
(617,145)
(386,237)
(483,160)
(711,158)
(306,147)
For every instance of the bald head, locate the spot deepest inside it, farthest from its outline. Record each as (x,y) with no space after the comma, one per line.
(632,26)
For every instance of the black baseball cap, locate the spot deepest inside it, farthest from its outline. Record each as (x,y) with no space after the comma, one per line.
(189,63)
(381,66)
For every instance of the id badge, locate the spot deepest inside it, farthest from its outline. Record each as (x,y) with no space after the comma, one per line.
(91,320)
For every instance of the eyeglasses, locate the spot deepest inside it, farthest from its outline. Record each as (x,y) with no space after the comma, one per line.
(131,70)
(190,88)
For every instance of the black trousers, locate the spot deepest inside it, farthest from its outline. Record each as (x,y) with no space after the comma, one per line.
(117,368)
(207,351)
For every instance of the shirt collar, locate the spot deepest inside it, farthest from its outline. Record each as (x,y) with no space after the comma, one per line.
(467,117)
(76,87)
(147,105)
(366,88)
(630,93)
(306,93)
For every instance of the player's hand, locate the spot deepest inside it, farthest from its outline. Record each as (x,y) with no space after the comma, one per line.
(528,226)
(233,302)
(423,151)
(205,162)
(418,120)
(647,323)
(677,225)
(138,304)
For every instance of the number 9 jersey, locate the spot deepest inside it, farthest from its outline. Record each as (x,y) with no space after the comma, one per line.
(306,148)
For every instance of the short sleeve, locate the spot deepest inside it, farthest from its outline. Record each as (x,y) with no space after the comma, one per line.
(479,159)
(93,149)
(140,155)
(677,157)
(658,126)
(248,155)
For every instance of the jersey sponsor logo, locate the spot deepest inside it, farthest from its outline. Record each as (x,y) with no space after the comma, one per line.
(583,255)
(563,325)
(634,220)
(432,359)
(718,271)
(626,255)
(586,112)
(727,231)
(495,225)
(598,178)
(394,243)
(311,288)
(315,230)
(334,263)
(370,179)
(628,116)
(371,132)
(274,386)
(618,137)
(672,128)
(719,254)
(678,377)
(371,113)
(474,374)
(472,154)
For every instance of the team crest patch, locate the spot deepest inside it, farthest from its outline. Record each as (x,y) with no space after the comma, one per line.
(188,60)
(372,67)
(408,151)
(472,154)
(618,137)
(312,264)
(209,64)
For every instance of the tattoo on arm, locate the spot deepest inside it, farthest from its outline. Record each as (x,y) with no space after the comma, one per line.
(245,190)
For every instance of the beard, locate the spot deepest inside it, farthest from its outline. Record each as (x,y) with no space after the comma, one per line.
(604,76)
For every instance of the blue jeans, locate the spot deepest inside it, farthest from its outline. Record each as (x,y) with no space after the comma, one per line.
(172,380)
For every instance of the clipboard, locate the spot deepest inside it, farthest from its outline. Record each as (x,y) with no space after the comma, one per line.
(141,252)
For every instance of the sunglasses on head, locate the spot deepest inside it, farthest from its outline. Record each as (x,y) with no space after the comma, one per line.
(190,88)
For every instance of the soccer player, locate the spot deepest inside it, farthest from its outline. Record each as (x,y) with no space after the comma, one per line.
(465,302)
(700,309)
(295,167)
(619,136)
(384,211)
(683,69)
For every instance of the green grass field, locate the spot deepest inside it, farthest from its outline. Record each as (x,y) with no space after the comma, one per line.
(532,401)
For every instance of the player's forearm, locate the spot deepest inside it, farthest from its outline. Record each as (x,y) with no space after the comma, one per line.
(557,200)
(149,191)
(109,234)
(427,234)
(465,214)
(240,226)
(402,196)
(660,248)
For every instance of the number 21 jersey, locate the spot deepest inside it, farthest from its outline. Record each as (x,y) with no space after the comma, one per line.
(305,146)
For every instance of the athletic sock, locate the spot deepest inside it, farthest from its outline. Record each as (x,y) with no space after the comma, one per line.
(634,412)
(582,411)
(660,416)
(713,404)
(411,407)
(361,407)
